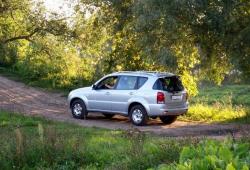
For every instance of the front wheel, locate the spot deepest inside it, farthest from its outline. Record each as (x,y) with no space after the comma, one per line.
(138,115)
(78,109)
(168,119)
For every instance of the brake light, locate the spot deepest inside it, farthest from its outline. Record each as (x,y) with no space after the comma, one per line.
(160,98)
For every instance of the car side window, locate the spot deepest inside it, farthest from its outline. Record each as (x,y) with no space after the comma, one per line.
(127,83)
(108,83)
(141,81)
(158,85)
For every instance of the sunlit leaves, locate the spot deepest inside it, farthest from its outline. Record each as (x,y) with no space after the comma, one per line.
(199,40)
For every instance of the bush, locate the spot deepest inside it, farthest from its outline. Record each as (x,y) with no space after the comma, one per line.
(53,64)
(190,83)
(211,154)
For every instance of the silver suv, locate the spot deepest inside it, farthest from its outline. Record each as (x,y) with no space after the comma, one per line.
(139,95)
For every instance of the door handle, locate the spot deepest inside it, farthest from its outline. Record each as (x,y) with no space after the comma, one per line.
(107,93)
(131,93)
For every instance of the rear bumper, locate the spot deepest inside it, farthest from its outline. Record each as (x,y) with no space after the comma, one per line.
(174,111)
(163,110)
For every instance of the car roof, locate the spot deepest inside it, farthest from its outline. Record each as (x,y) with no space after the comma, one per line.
(144,73)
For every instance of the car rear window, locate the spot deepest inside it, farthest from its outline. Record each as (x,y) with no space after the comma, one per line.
(170,84)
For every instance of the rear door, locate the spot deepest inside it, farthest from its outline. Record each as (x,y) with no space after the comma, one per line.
(175,95)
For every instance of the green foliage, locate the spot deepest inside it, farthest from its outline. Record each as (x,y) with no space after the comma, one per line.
(191,38)
(56,63)
(225,94)
(210,154)
(190,83)
(159,31)
(36,143)
(220,103)
(40,49)
(217,113)
(199,40)
(29,142)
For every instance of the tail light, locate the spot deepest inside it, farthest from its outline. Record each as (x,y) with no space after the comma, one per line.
(160,98)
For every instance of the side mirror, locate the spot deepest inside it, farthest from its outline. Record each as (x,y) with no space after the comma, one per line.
(94,87)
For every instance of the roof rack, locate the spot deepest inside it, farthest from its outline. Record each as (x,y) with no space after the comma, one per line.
(145,72)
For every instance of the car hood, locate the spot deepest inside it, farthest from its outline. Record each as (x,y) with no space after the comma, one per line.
(79,91)
(83,89)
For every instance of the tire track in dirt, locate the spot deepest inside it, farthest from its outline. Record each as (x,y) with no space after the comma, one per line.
(20,98)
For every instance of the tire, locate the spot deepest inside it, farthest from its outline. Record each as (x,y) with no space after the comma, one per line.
(108,116)
(168,119)
(78,109)
(138,115)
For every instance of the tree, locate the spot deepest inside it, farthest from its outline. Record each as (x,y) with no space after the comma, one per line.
(203,40)
(25,20)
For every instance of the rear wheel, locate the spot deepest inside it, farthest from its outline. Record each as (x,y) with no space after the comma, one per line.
(109,116)
(138,115)
(168,119)
(78,109)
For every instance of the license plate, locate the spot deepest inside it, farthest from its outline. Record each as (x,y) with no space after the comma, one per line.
(179,97)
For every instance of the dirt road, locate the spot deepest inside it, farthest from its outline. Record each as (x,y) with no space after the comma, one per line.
(17,97)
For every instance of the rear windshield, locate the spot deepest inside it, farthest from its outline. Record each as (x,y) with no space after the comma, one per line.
(170,84)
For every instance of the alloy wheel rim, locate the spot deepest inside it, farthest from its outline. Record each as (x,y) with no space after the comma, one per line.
(77,109)
(137,116)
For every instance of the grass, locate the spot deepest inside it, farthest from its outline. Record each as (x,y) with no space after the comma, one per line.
(234,95)
(228,103)
(218,113)
(36,143)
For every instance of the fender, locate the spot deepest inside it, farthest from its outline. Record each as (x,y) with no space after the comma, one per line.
(82,97)
(140,100)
